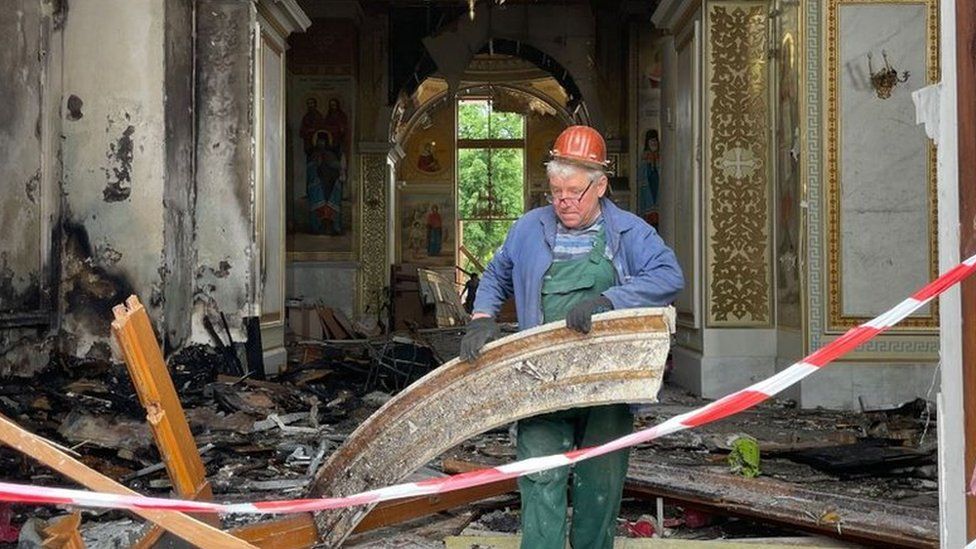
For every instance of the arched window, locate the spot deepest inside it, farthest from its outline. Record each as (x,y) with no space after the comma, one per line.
(490,178)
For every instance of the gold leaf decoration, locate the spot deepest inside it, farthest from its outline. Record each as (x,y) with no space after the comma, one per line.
(372,252)
(738,205)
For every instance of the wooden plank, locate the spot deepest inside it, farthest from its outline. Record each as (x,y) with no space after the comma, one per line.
(344,321)
(471,257)
(966,104)
(298,531)
(62,533)
(513,541)
(765,499)
(333,328)
(396,512)
(293,532)
(164,412)
(861,520)
(181,525)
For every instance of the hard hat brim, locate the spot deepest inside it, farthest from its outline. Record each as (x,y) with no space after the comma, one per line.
(589,164)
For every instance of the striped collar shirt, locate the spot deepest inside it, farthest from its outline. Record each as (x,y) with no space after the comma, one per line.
(575,243)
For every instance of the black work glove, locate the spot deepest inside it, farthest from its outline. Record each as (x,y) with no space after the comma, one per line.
(580,317)
(480,331)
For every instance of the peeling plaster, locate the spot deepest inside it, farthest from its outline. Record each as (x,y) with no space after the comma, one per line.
(156,299)
(21,110)
(120,153)
(31,186)
(205,286)
(74,108)
(223,270)
(90,290)
(108,254)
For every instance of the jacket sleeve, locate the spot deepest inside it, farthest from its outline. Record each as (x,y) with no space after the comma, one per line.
(496,282)
(655,278)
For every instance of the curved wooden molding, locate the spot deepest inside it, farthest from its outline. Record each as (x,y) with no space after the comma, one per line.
(533,372)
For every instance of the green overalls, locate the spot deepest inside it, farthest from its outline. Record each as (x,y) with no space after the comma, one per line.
(597,483)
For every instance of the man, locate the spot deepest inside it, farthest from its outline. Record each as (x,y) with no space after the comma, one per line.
(470,292)
(579,256)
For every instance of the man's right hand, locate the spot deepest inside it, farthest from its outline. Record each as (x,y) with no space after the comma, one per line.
(480,331)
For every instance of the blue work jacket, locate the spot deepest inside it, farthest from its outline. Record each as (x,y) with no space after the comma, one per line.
(647,273)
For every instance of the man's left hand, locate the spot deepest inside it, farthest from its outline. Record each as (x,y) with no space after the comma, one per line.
(580,317)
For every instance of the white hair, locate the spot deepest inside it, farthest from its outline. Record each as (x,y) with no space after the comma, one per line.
(564,170)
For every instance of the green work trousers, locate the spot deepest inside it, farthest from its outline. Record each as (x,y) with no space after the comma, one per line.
(598,483)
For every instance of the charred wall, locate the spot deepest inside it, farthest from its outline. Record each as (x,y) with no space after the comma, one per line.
(21,143)
(30,33)
(179,194)
(115,168)
(224,161)
(101,195)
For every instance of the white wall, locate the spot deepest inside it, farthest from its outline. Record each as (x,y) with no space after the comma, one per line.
(114,164)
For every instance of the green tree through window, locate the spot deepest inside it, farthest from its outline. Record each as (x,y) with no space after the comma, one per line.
(490,177)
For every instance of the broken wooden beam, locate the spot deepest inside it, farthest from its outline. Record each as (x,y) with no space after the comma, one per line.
(860,520)
(472,258)
(134,334)
(331,326)
(292,532)
(389,513)
(533,372)
(62,533)
(144,360)
(183,526)
(299,531)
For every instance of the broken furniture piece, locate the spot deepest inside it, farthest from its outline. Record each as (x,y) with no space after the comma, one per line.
(181,525)
(62,532)
(537,371)
(437,290)
(164,413)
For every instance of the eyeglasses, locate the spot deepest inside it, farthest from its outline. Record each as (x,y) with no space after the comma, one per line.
(567,196)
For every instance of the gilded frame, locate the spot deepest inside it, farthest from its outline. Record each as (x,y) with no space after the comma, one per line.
(836,321)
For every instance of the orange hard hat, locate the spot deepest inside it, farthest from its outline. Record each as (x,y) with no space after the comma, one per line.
(581,145)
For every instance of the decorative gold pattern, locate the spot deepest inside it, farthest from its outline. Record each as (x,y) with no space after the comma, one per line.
(737,167)
(373,245)
(836,320)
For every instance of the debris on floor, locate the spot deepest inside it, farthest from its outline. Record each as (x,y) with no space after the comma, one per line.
(265,439)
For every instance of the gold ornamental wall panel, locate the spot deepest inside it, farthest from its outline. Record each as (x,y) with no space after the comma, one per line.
(737,165)
(373,243)
(879,166)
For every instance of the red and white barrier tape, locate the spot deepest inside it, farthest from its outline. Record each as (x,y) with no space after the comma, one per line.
(724,407)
